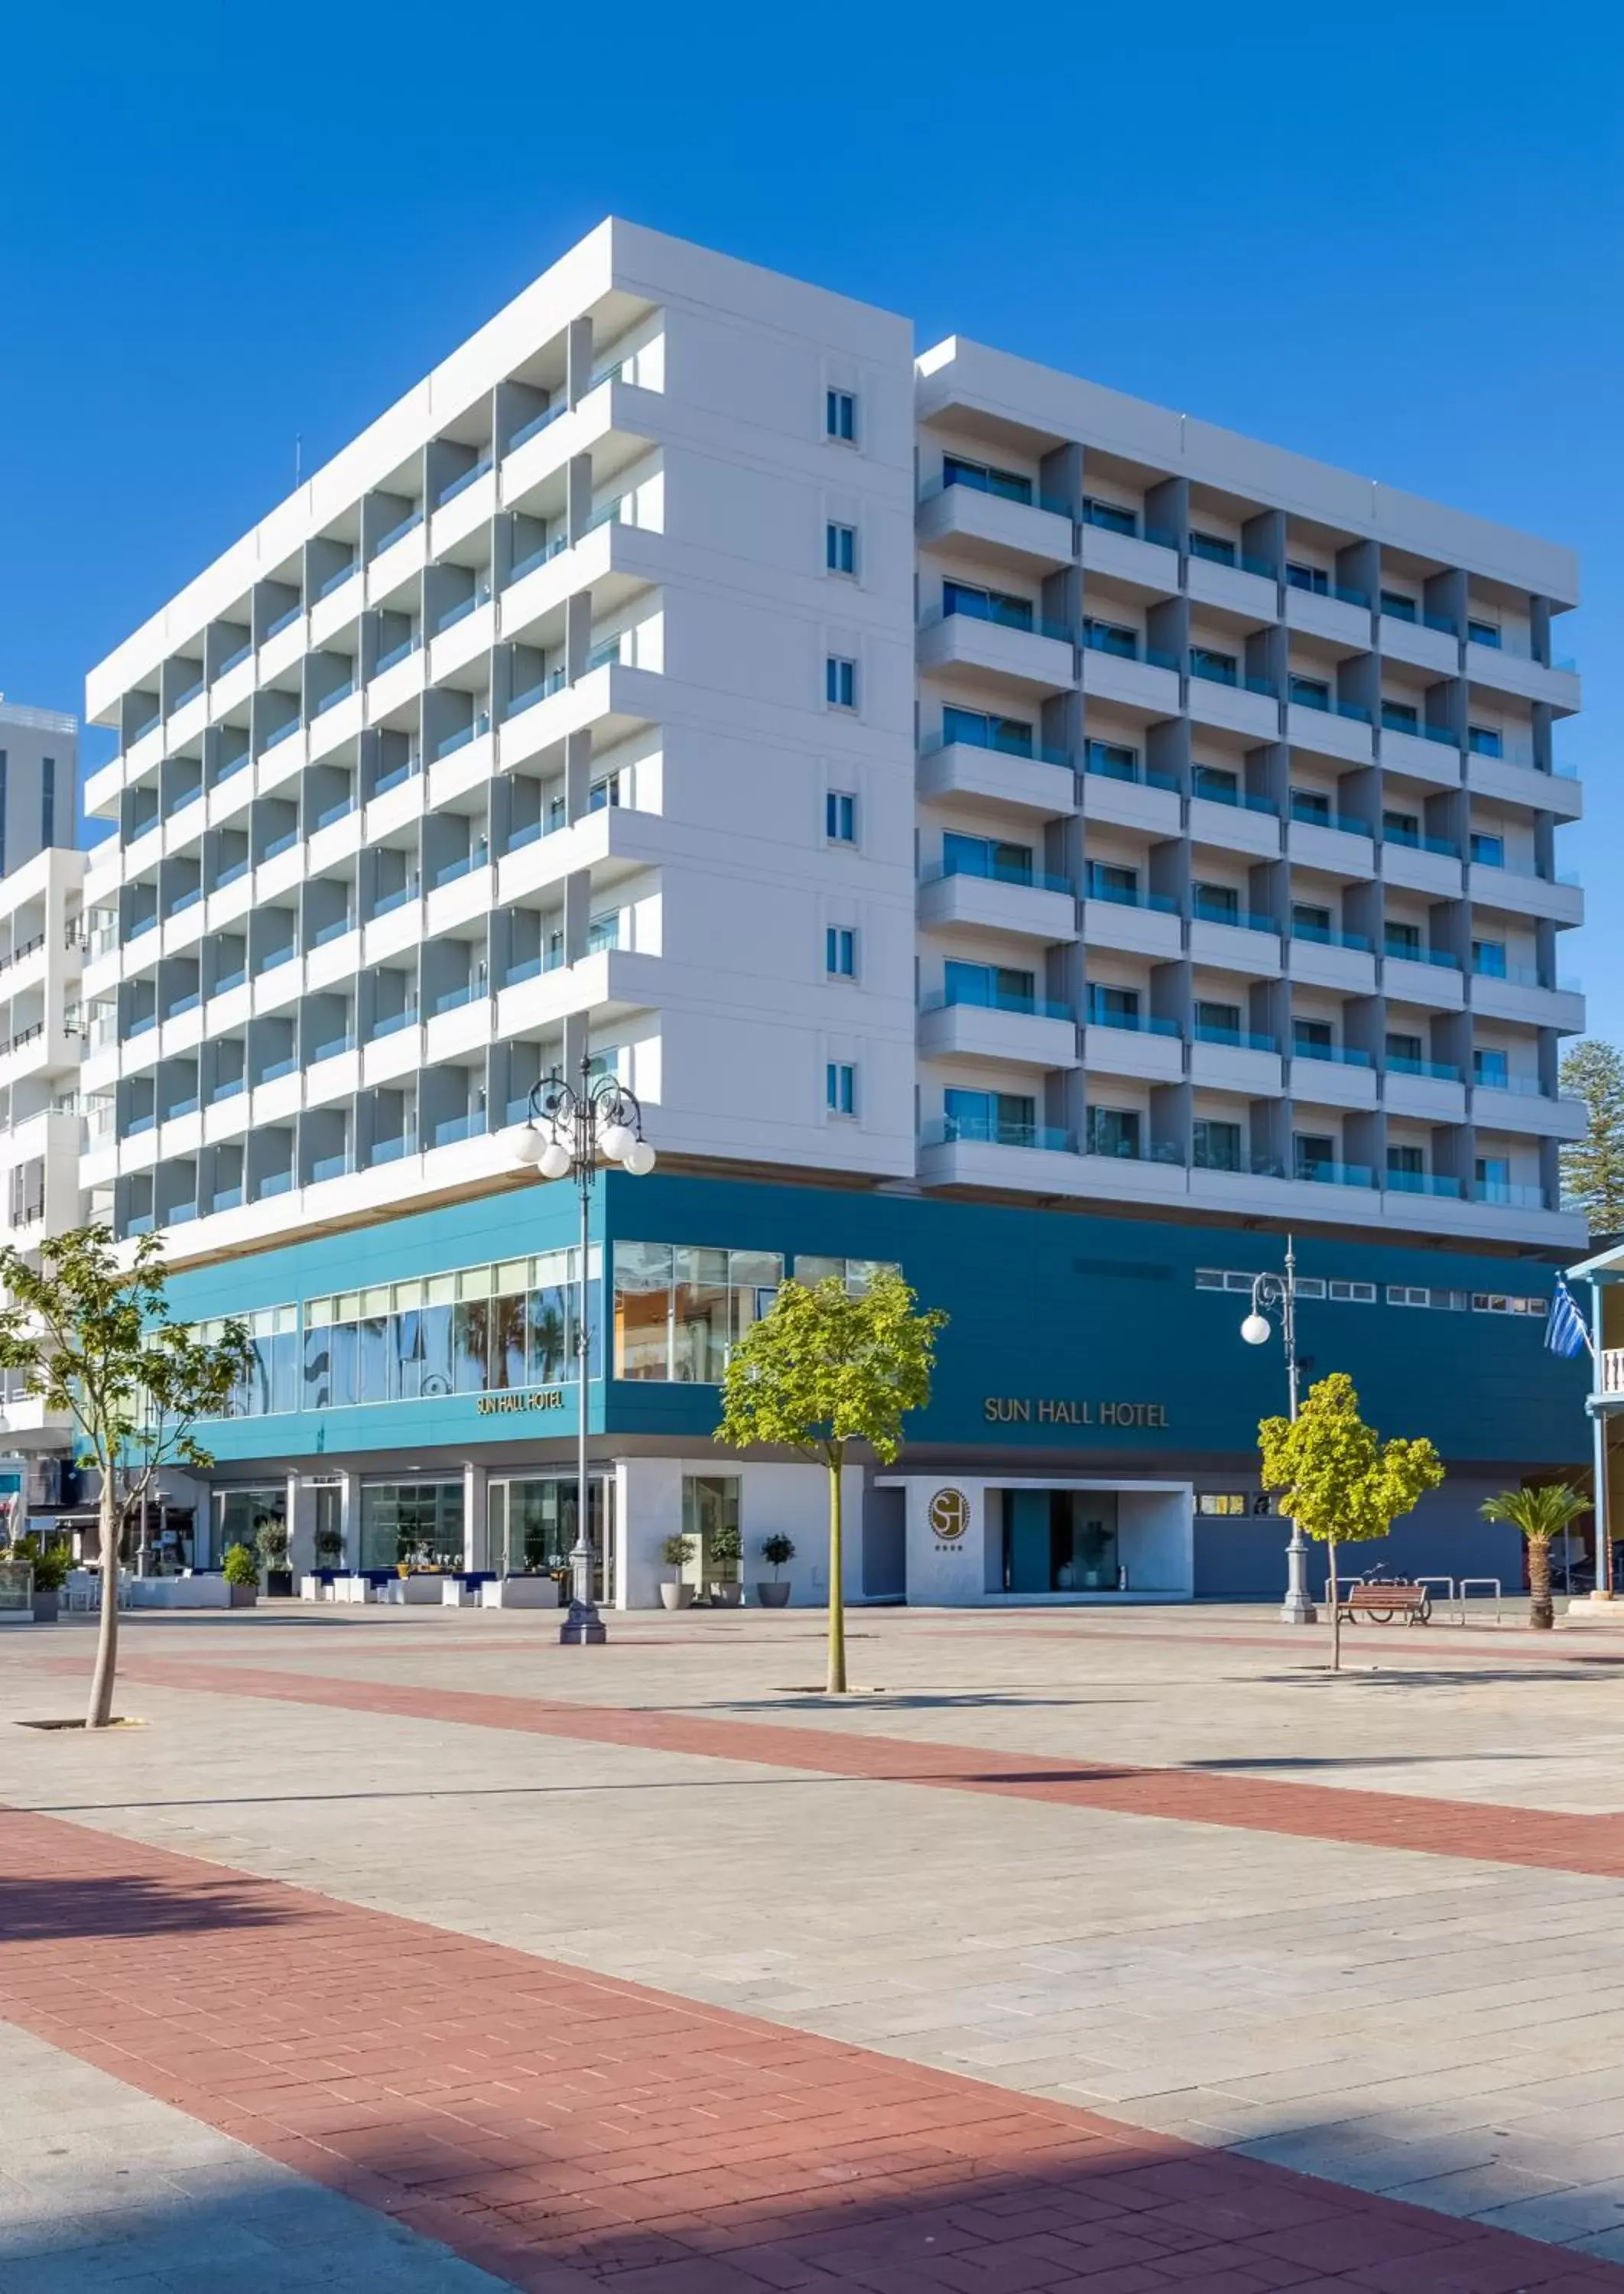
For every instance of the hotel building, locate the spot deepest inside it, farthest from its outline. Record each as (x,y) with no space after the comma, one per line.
(997,827)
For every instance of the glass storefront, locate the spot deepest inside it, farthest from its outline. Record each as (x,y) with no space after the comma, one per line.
(418,1522)
(533,1527)
(238,1517)
(1060,1541)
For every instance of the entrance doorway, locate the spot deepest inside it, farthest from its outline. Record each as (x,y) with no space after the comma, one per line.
(532,1527)
(1060,1541)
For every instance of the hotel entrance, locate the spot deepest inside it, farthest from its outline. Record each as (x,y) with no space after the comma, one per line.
(973,1542)
(533,1527)
(1058,1542)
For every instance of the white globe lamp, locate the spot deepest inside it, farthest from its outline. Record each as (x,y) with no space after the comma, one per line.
(639,1159)
(1255,1330)
(616,1140)
(531,1146)
(555,1159)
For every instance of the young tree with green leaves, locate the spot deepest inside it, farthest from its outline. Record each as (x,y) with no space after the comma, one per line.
(1540,1515)
(90,1327)
(825,1370)
(1338,1478)
(1593,1166)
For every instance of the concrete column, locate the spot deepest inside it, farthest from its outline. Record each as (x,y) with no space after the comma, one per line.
(300,1526)
(577,634)
(349,1519)
(578,495)
(475,1517)
(578,360)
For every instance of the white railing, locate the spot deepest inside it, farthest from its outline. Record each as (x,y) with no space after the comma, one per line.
(1610,1367)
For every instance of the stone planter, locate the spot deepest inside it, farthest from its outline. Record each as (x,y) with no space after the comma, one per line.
(726,1595)
(241,1597)
(774,1595)
(677,1597)
(519,1593)
(47,1605)
(279,1584)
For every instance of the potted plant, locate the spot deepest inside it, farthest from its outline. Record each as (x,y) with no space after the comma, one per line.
(676,1552)
(329,1549)
(775,1551)
(725,1550)
(49,1564)
(270,1545)
(240,1572)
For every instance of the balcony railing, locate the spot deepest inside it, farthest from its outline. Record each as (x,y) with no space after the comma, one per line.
(1510,1194)
(536,423)
(1610,1370)
(397,532)
(1131,896)
(1436,1070)
(1218,911)
(461,484)
(1124,647)
(975,1131)
(1098,760)
(331,700)
(1421,1183)
(1342,1055)
(1439,958)
(1324,937)
(540,555)
(1240,800)
(1414,842)
(985,737)
(396,655)
(996,1000)
(1239,1039)
(1135,1023)
(997,874)
(1007,617)
(285,620)
(336,581)
(1007,489)
(1311,817)
(1334,1174)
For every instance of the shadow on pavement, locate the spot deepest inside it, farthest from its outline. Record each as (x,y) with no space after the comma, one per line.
(45,1910)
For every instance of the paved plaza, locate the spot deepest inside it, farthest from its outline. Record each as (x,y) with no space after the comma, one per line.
(1106,1952)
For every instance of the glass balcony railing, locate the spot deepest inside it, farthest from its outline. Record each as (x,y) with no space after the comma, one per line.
(1436,1070)
(1219,791)
(1439,959)
(460,739)
(995,872)
(1322,936)
(393,1151)
(536,425)
(336,810)
(1108,763)
(464,607)
(540,555)
(1220,912)
(1520,1086)
(146,725)
(1005,615)
(1309,816)
(1414,842)
(1132,896)
(189,693)
(1123,645)
(979,1131)
(1509,1194)
(396,655)
(392,1022)
(462,863)
(1239,1039)
(336,581)
(452,999)
(334,929)
(227,766)
(1006,488)
(1421,1183)
(285,620)
(331,700)
(454,1127)
(234,660)
(1417,729)
(544,686)
(223,985)
(398,532)
(388,901)
(283,732)
(460,484)
(1133,1023)
(329,1167)
(1334,1174)
(1342,1055)
(996,1000)
(333,1047)
(970,735)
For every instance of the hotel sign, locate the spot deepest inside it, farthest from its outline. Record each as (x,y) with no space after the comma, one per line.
(541,1397)
(1025,1410)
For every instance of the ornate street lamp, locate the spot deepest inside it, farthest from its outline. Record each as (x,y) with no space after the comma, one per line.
(573,1128)
(1279,1292)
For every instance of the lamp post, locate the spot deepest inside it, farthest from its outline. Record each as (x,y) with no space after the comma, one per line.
(571,1129)
(1279,1292)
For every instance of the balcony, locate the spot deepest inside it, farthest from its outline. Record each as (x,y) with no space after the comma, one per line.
(1030,536)
(1030,907)
(1323,958)
(1250,705)
(1247,589)
(1028,1032)
(1116,787)
(1610,1372)
(1035,657)
(1142,1045)
(1137,923)
(1519,1104)
(1029,780)
(1516,782)
(1519,892)
(1428,1090)
(1139,678)
(1429,977)
(1331,1075)
(1341,616)
(1520,994)
(1233,821)
(1421,863)
(1422,753)
(1235,1060)
(1428,642)
(1146,566)
(1234,939)
(1334,1174)
(1334,843)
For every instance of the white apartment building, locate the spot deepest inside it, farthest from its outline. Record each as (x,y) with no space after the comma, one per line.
(944,773)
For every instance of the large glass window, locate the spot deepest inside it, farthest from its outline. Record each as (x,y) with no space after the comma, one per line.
(679,1308)
(532,1525)
(418,1522)
(237,1516)
(272,1382)
(481,1329)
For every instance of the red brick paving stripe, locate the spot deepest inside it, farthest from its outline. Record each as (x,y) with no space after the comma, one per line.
(1544,1839)
(565,2130)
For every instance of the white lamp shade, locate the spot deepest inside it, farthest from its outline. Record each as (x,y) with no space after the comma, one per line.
(1255,1330)
(639,1159)
(530,1145)
(555,1159)
(616,1140)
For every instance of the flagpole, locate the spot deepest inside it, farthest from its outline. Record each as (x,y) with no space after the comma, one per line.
(1598,1420)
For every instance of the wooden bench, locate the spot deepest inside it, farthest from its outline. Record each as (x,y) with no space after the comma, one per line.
(1381,1603)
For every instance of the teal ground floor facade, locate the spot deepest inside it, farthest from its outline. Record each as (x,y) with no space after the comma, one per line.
(1090,1435)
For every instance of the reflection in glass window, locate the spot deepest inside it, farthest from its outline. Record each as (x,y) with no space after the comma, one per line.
(679,1309)
(482,1329)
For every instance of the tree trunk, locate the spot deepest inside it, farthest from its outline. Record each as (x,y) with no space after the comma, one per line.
(1541,1613)
(107,1631)
(837,1591)
(1330,1549)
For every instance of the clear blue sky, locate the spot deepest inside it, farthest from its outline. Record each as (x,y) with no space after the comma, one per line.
(1388,235)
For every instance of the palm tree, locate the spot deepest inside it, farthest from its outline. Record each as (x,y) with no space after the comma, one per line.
(1540,1514)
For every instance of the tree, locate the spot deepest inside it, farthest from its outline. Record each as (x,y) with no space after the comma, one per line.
(90,1327)
(1338,1478)
(823,1369)
(1593,1166)
(1540,1515)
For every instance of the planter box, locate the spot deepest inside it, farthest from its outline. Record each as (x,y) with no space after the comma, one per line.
(279,1584)
(675,1597)
(242,1597)
(727,1597)
(353,1589)
(414,1592)
(774,1595)
(519,1593)
(181,1593)
(47,1605)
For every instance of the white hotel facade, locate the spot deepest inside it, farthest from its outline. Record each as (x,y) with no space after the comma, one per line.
(935,778)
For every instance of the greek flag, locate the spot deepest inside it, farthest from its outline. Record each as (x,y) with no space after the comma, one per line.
(1564,1330)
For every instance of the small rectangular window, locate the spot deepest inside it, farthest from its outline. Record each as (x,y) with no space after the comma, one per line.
(1308,577)
(840,548)
(1485,741)
(840,682)
(840,952)
(1401,607)
(840,1088)
(1222,1502)
(841,415)
(1484,633)
(841,817)
(1213,548)
(1488,851)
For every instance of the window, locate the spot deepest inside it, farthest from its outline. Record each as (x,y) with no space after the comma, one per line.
(841,415)
(985,480)
(840,548)
(1493,1173)
(1010,612)
(996,985)
(679,1309)
(1217,1023)
(1406,1163)
(1312,578)
(272,1383)
(1113,1131)
(840,1088)
(1312,1036)
(840,952)
(1311,805)
(841,817)
(1110,636)
(47,801)
(1312,1153)
(480,1329)
(1310,922)
(1215,1146)
(1404,1050)
(982,856)
(1401,717)
(1216,782)
(1219,668)
(1483,633)
(1401,827)
(417,1521)
(1013,735)
(1222,1502)
(1111,516)
(1113,1007)
(1402,939)
(1489,958)
(1217,904)
(1485,741)
(1113,880)
(1112,759)
(1308,691)
(1489,851)
(840,682)
(1352,1294)
(1212,546)
(1490,1067)
(1000,1118)
(1400,605)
